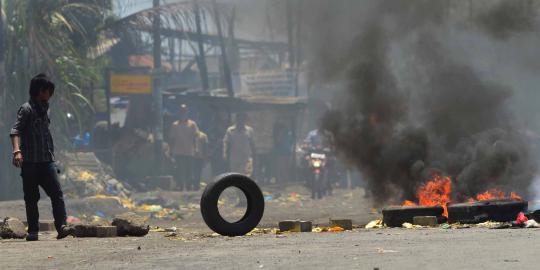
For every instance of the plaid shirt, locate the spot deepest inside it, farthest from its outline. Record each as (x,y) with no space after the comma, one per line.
(32,126)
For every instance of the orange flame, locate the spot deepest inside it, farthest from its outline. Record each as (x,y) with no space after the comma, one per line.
(495,194)
(409,203)
(515,196)
(435,192)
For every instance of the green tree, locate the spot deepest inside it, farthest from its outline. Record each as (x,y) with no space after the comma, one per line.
(51,36)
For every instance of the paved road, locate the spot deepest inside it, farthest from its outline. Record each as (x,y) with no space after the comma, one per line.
(363,249)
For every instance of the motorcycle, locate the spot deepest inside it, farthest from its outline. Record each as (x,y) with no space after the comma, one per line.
(317,161)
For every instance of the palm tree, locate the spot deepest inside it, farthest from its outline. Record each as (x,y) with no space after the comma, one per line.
(51,36)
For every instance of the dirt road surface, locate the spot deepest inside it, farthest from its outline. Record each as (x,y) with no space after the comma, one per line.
(383,249)
(195,247)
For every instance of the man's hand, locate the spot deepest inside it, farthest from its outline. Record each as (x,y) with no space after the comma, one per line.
(18,159)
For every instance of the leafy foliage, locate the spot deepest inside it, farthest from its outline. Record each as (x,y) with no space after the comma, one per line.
(53,36)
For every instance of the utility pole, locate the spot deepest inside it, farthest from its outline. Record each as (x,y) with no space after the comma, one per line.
(172,54)
(292,53)
(224,58)
(202,55)
(290,34)
(158,98)
(4,174)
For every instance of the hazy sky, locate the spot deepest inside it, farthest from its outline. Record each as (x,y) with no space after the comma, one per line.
(251,21)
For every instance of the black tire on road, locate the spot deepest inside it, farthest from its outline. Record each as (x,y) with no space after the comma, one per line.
(254,211)
(492,210)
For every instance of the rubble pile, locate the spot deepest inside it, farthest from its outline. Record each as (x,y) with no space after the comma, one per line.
(130,224)
(84,175)
(12,228)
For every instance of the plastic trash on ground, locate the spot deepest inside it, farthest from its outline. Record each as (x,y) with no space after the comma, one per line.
(375,224)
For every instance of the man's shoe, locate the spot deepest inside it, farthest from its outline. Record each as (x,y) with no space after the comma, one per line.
(32,237)
(65,231)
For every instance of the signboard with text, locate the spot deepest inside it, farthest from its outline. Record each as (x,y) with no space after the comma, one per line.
(127,84)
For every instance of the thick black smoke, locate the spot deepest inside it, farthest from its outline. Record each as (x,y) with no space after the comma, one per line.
(507,18)
(412,107)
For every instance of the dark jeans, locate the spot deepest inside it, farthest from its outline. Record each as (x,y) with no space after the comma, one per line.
(44,175)
(184,172)
(198,164)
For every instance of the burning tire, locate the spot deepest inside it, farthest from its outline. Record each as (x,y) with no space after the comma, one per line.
(254,211)
(492,210)
(397,215)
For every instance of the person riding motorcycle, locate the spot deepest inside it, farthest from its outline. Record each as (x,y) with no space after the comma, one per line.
(317,163)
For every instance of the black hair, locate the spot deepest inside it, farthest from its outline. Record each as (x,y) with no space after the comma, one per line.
(40,83)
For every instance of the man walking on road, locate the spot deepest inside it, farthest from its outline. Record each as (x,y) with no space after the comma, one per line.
(239,146)
(201,157)
(183,137)
(33,152)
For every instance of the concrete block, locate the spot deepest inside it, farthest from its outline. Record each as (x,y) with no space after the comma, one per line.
(47,226)
(346,224)
(106,231)
(287,225)
(44,225)
(306,226)
(429,221)
(295,226)
(85,230)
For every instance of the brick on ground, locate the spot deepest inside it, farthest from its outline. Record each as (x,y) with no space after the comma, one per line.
(295,226)
(346,224)
(44,225)
(85,230)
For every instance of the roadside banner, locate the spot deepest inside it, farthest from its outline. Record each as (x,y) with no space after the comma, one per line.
(130,84)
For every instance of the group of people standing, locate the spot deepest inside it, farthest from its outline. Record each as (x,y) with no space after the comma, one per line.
(189,149)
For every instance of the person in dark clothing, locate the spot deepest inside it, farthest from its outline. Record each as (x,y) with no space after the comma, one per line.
(33,152)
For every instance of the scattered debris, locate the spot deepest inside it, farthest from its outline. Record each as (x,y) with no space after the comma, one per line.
(494,225)
(336,229)
(106,231)
(86,176)
(12,228)
(407,225)
(382,250)
(375,224)
(532,224)
(258,231)
(130,224)
(446,226)
(346,224)
(521,219)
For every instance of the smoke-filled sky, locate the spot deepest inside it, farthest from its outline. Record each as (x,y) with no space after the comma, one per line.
(429,86)
(421,86)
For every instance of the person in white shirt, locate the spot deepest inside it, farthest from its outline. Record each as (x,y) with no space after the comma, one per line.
(239,146)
